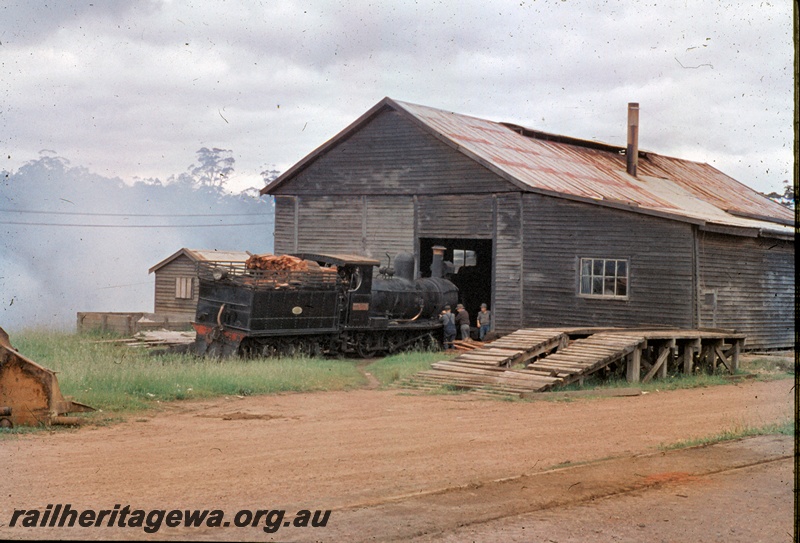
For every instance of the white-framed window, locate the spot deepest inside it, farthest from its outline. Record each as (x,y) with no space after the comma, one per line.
(183,288)
(604,277)
(463,258)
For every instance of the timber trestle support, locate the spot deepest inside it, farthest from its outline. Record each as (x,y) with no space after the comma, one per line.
(540,359)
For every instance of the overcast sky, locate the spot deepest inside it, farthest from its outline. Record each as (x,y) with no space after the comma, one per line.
(134,88)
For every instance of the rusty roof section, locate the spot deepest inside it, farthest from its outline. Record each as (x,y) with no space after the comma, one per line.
(590,171)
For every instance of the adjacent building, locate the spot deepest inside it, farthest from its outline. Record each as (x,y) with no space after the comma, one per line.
(177,287)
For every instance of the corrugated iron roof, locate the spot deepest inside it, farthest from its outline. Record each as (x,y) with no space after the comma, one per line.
(589,170)
(204,255)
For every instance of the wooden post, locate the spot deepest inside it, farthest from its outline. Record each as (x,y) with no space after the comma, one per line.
(737,348)
(688,358)
(688,355)
(634,366)
(714,352)
(665,354)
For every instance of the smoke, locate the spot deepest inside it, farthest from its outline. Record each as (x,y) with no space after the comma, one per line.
(72,241)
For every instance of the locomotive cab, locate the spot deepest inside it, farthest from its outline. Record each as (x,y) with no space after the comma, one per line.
(356,296)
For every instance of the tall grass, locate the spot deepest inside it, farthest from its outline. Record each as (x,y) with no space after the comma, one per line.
(118,378)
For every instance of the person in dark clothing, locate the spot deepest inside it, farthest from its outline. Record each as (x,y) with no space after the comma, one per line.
(462,321)
(449,321)
(484,321)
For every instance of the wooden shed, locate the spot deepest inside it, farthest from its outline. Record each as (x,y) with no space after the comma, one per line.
(176,279)
(548,230)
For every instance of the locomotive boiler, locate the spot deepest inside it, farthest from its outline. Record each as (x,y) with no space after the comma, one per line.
(331,305)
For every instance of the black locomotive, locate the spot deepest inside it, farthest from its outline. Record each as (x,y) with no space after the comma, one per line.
(336,307)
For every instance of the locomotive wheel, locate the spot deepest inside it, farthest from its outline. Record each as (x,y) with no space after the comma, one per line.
(393,343)
(364,352)
(314,348)
(288,348)
(368,345)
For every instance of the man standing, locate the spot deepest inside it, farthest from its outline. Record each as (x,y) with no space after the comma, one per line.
(462,321)
(484,321)
(449,327)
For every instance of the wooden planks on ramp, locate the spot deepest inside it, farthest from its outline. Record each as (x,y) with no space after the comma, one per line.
(550,357)
(490,368)
(585,356)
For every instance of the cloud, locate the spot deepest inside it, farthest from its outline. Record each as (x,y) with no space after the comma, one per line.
(128,88)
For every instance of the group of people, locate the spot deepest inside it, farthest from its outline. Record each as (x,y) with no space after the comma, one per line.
(460,322)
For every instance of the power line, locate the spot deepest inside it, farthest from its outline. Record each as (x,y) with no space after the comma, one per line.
(18,223)
(126,214)
(128,285)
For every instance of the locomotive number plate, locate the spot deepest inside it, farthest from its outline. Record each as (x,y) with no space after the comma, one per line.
(297,310)
(361,306)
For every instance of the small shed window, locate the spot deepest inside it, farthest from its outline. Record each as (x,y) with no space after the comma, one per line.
(183,288)
(604,277)
(463,258)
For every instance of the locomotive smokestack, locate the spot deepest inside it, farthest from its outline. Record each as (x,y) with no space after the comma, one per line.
(437,267)
(632,152)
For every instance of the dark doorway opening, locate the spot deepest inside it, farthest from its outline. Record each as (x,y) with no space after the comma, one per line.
(473,265)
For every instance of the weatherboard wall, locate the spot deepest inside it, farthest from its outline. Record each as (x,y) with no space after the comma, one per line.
(748,284)
(508,252)
(392,155)
(166,277)
(558,233)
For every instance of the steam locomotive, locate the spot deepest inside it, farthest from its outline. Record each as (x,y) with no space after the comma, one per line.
(335,307)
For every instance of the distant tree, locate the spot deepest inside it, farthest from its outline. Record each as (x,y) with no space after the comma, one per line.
(213,168)
(269,175)
(786,198)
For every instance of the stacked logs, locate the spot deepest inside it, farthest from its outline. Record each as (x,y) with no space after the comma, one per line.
(311,272)
(276,263)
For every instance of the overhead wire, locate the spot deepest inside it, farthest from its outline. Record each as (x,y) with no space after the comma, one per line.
(87,214)
(20,223)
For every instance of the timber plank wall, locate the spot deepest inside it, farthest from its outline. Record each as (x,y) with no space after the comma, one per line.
(748,284)
(508,249)
(391,155)
(165,300)
(557,233)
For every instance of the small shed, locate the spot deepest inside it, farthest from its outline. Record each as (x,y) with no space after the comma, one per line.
(176,278)
(549,230)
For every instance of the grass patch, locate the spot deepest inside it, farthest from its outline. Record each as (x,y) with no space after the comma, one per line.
(768,367)
(115,378)
(399,366)
(672,382)
(737,432)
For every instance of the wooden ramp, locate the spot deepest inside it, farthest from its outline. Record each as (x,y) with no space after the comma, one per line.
(528,360)
(496,367)
(585,356)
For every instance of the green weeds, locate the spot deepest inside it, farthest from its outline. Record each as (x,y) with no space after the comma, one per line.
(738,431)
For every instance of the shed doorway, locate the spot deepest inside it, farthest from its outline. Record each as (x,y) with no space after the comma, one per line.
(473,264)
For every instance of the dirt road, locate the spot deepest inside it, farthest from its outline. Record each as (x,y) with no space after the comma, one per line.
(347,451)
